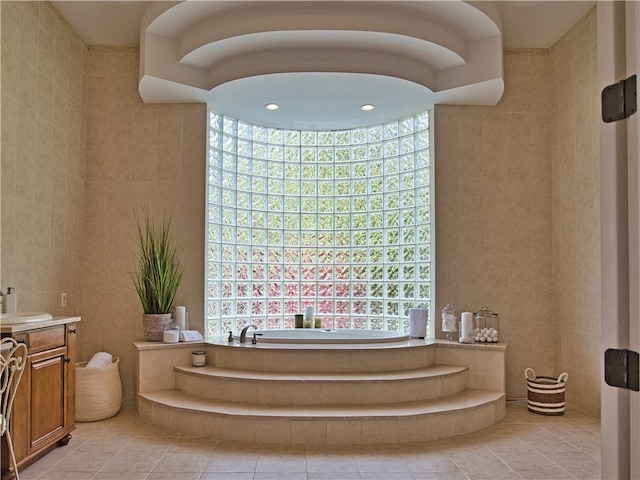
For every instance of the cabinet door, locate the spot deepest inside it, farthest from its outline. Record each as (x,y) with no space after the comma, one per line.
(47,372)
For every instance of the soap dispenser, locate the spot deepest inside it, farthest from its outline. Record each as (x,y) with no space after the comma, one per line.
(10,301)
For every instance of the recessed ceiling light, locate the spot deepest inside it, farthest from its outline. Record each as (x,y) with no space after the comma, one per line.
(367,107)
(272,106)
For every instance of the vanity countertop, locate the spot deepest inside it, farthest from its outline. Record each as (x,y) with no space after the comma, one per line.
(23,327)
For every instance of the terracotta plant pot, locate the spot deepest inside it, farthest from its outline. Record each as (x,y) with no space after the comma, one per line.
(154,325)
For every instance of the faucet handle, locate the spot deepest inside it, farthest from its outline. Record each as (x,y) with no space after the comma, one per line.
(230,339)
(255,340)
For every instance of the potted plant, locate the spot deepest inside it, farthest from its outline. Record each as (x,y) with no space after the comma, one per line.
(158,275)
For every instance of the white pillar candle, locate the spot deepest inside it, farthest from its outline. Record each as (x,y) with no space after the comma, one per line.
(466,327)
(308,315)
(180,316)
(418,322)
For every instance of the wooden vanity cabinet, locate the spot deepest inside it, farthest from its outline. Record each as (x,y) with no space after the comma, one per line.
(43,413)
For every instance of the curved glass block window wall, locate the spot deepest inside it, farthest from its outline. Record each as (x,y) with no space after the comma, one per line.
(341,220)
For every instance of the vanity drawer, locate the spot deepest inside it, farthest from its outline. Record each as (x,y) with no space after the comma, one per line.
(44,338)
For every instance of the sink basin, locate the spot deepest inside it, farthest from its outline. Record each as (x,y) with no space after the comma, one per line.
(23,317)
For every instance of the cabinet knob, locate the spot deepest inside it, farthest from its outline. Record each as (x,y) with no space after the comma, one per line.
(67,360)
(72,330)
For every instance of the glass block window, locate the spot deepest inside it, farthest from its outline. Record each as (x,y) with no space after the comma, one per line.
(341,220)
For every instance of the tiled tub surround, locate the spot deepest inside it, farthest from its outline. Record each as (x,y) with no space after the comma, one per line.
(322,394)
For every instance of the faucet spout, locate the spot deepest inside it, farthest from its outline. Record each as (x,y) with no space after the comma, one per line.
(243,333)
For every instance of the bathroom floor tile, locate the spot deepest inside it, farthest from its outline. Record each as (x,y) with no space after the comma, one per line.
(132,462)
(280,476)
(83,461)
(386,476)
(331,463)
(428,462)
(457,475)
(193,445)
(333,476)
(282,463)
(522,446)
(227,476)
(232,462)
(389,463)
(579,464)
(121,476)
(65,476)
(182,462)
(173,476)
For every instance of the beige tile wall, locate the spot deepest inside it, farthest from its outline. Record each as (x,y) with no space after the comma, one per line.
(516,198)
(493,212)
(137,155)
(517,208)
(576,214)
(44,112)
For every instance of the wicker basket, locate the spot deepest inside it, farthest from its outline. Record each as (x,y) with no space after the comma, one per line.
(98,391)
(545,395)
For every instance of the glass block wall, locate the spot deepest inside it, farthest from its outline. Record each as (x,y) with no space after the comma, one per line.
(341,220)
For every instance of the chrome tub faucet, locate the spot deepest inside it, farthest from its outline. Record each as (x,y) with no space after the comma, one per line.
(243,333)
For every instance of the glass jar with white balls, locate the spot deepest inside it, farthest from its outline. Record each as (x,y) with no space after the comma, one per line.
(486,326)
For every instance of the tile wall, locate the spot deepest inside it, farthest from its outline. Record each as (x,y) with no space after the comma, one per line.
(516,198)
(517,189)
(137,155)
(576,215)
(493,212)
(44,134)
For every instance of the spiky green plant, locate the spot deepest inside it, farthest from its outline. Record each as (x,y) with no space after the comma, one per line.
(159,271)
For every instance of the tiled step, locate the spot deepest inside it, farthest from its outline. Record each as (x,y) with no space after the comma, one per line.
(280,388)
(463,412)
(330,394)
(328,359)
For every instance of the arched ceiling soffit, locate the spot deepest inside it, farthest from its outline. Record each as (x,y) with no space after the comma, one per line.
(451,48)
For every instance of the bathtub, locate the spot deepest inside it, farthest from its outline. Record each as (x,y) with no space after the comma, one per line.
(327,335)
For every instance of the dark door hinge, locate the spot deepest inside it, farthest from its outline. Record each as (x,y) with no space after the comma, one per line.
(619,100)
(621,368)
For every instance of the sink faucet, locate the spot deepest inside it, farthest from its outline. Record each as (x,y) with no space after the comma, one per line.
(243,333)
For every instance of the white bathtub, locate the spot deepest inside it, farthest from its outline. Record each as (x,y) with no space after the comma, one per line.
(325,335)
